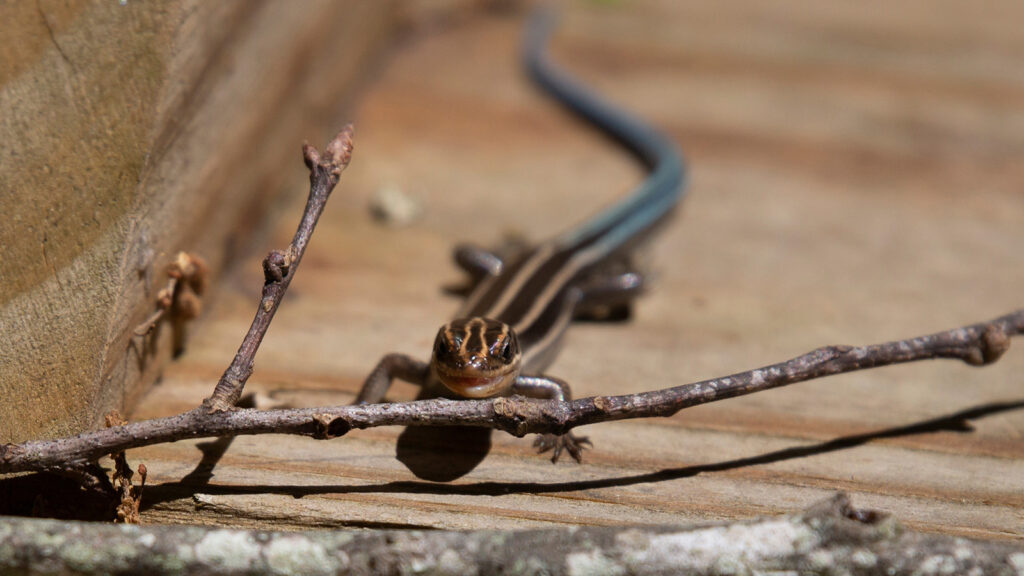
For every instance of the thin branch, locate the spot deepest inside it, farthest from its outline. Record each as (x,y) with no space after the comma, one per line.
(977,344)
(279,267)
(830,537)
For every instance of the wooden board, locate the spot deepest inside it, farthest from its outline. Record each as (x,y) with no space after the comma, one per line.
(856,178)
(133,131)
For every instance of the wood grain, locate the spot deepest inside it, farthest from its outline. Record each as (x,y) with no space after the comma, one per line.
(855,179)
(133,131)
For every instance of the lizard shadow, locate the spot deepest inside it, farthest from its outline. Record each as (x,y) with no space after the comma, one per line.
(956,422)
(442,453)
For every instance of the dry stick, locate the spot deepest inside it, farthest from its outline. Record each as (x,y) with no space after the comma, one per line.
(279,267)
(977,344)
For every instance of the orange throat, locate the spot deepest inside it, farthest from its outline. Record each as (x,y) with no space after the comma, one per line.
(477,386)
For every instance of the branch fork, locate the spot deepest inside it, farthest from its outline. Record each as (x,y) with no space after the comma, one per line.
(279,266)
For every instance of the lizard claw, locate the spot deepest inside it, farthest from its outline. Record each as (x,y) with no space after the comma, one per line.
(569,442)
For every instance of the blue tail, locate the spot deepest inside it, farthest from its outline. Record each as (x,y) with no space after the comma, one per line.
(666,182)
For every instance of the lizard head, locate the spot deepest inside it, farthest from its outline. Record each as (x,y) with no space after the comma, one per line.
(477,357)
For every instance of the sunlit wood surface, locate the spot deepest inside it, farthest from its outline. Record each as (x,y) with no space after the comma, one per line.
(857,177)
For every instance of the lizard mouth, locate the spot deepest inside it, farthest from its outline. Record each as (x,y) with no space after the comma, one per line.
(476,386)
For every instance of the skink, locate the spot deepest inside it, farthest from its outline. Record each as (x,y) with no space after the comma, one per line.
(510,326)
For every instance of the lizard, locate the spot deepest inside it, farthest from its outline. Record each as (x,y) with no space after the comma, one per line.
(508,329)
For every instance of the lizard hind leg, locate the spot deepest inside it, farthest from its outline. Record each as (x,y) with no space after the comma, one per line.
(478,264)
(606,293)
(609,297)
(482,263)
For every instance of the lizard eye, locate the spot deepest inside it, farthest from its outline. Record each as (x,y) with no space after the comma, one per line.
(508,352)
(441,345)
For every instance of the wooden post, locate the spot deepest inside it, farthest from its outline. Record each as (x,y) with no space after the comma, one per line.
(132,131)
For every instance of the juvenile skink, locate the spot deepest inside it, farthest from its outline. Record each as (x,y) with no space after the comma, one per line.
(508,330)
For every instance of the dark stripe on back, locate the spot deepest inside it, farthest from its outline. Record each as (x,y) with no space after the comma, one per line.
(532,288)
(495,290)
(540,328)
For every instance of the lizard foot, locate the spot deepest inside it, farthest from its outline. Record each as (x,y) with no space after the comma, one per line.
(569,442)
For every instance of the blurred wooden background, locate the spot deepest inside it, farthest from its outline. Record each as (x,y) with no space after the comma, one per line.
(856,178)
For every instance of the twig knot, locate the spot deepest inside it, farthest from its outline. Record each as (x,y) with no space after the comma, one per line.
(329,426)
(990,346)
(339,151)
(10,451)
(276,266)
(512,415)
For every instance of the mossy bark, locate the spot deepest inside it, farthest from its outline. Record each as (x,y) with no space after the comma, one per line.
(829,538)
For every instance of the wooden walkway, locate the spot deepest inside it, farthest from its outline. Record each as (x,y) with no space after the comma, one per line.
(857,177)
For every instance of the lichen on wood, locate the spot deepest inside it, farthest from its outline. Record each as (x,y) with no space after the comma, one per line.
(831,537)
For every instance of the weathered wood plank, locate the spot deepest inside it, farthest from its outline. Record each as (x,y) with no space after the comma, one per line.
(855,180)
(132,131)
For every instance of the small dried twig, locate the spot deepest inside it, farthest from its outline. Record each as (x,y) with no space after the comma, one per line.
(279,267)
(186,281)
(130,498)
(976,345)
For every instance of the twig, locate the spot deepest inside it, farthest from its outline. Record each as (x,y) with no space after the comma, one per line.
(977,344)
(279,267)
(129,497)
(186,281)
(831,537)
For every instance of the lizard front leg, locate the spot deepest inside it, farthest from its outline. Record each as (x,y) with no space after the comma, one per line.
(392,366)
(552,389)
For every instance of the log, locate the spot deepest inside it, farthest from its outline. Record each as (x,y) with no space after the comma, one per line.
(830,537)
